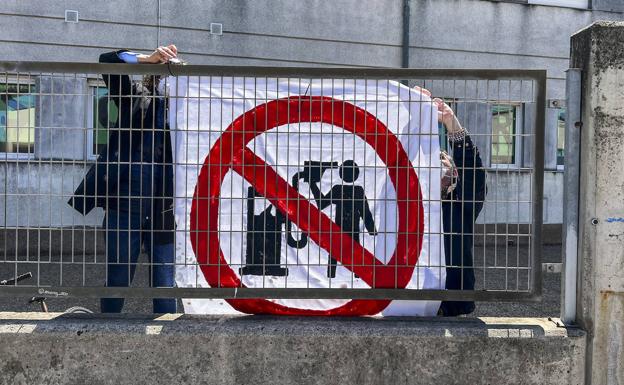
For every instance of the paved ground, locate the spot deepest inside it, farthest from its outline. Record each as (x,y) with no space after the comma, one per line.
(501,273)
(551,295)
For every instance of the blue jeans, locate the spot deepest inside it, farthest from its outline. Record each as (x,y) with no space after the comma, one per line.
(127,228)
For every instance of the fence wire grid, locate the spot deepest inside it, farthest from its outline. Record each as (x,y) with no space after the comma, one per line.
(270,182)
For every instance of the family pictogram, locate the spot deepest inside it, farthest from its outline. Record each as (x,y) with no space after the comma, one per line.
(265,230)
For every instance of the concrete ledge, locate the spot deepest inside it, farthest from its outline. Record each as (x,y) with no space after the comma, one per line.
(180,349)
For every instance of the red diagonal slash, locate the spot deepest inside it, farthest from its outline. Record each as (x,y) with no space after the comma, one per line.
(230,153)
(320,228)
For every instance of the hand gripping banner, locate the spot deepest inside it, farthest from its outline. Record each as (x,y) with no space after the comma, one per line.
(315,184)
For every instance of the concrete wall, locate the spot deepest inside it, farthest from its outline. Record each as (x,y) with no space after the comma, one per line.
(509,197)
(608,5)
(443,33)
(599,52)
(174,349)
(348,32)
(37,194)
(359,33)
(486,34)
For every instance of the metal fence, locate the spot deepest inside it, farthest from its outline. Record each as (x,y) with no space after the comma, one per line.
(288,183)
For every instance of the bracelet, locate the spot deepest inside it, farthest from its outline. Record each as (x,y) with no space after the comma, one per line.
(458,136)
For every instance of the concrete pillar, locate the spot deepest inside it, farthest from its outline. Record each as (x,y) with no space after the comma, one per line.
(599,51)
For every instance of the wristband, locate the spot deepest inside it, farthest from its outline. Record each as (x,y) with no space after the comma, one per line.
(458,136)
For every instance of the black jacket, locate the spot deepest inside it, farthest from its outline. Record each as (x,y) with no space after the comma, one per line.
(459,213)
(139,135)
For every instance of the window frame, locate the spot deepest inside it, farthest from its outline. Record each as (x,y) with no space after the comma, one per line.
(22,80)
(518,136)
(92,84)
(586,6)
(570,4)
(561,167)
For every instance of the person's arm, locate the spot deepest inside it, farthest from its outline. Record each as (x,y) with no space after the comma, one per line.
(471,182)
(161,54)
(120,85)
(369,220)
(471,175)
(321,200)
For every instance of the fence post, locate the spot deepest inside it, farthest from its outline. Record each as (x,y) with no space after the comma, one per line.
(599,52)
(571,195)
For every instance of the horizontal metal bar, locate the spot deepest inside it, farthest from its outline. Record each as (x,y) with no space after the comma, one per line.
(273,293)
(271,72)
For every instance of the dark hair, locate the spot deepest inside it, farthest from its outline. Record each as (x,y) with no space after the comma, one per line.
(150,82)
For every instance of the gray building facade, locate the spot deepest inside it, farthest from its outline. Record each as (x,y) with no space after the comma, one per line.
(353,33)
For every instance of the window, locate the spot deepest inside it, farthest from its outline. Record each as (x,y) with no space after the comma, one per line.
(103,114)
(561,126)
(504,132)
(17,118)
(583,4)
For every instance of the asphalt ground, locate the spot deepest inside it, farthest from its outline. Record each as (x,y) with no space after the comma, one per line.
(550,304)
(506,270)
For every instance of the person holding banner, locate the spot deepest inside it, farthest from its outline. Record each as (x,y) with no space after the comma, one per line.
(463,192)
(132,180)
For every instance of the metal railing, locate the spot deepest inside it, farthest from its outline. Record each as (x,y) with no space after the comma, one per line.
(271,167)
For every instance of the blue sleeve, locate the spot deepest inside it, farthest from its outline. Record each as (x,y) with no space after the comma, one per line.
(129,57)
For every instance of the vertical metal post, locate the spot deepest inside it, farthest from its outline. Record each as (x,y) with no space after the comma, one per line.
(571,194)
(537,189)
(406,38)
(158,29)
(406,34)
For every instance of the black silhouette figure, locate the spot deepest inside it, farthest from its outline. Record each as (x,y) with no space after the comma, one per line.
(351,207)
(264,240)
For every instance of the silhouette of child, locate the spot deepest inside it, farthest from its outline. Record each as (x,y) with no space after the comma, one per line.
(351,206)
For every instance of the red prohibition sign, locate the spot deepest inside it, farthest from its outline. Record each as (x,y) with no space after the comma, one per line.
(230,152)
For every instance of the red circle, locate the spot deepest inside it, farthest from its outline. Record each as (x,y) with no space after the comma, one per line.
(226,152)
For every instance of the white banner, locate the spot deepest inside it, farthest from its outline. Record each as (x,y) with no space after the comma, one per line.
(316,140)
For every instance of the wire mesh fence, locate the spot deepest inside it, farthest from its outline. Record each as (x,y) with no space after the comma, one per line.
(282,183)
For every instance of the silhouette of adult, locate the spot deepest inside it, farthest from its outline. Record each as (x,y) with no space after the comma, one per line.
(351,207)
(264,239)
